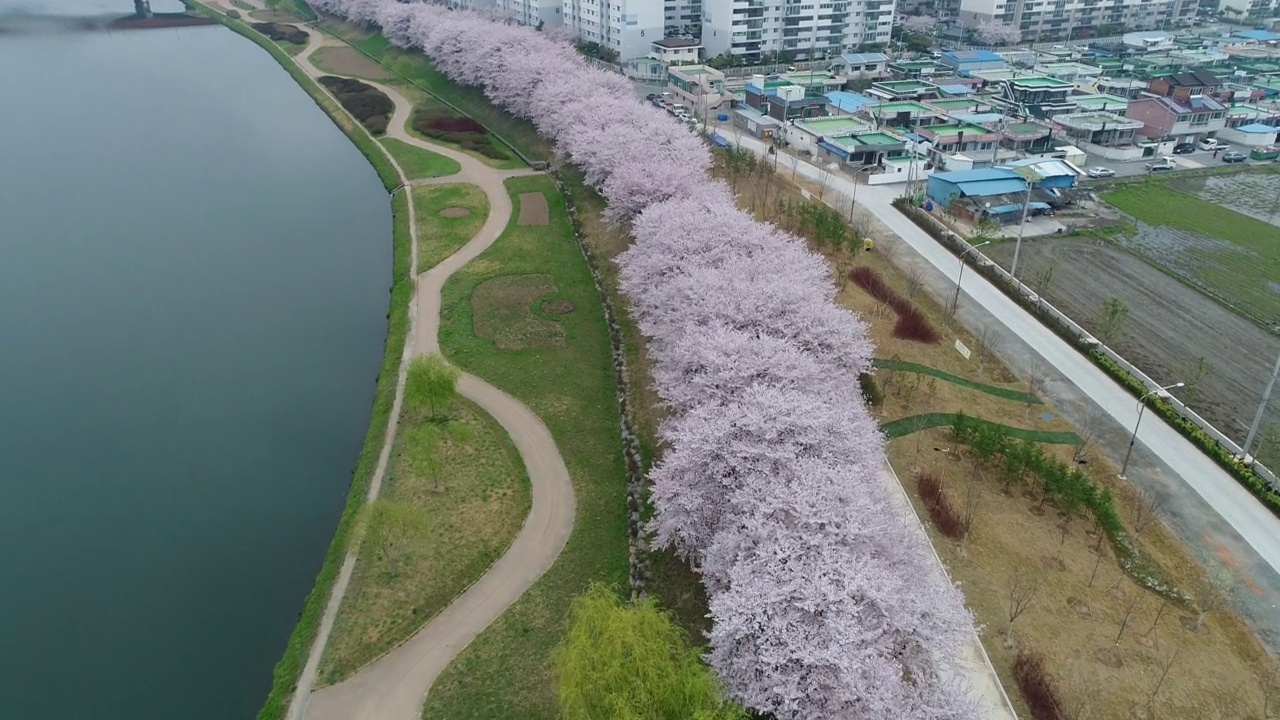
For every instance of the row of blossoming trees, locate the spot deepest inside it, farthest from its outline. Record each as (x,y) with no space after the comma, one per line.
(823,602)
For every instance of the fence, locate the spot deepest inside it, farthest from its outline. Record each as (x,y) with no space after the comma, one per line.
(1077,335)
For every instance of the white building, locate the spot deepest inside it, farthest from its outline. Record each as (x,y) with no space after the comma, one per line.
(801,29)
(1043,20)
(534,13)
(627,27)
(676,51)
(1248,8)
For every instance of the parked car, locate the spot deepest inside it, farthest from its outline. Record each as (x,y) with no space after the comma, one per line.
(1184,149)
(1233,156)
(1212,144)
(1164,163)
(1100,172)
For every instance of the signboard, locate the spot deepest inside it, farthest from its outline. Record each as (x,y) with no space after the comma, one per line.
(960,348)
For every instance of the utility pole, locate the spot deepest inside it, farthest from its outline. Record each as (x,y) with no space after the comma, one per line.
(1022,229)
(1262,409)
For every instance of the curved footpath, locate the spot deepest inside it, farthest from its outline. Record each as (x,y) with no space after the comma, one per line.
(394,686)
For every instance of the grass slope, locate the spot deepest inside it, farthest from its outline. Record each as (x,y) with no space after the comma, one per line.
(438,236)
(1006,393)
(455,496)
(1243,275)
(419,164)
(506,672)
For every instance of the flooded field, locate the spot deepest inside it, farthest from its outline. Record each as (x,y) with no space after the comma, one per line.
(1254,194)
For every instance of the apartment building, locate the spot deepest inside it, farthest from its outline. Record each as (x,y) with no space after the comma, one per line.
(535,13)
(798,29)
(627,27)
(1249,8)
(1045,20)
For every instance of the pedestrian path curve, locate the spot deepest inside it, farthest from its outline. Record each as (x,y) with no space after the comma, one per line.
(395,686)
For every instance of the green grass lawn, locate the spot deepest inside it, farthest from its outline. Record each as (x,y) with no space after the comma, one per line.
(506,672)
(455,496)
(1244,274)
(439,236)
(419,164)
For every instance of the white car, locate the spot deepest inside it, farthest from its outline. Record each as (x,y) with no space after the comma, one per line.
(1212,144)
(1100,172)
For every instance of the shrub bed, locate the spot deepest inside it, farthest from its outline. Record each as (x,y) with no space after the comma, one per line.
(460,130)
(944,516)
(1037,687)
(366,103)
(281,33)
(912,324)
(1243,474)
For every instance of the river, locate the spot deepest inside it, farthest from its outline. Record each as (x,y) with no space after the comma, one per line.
(194,268)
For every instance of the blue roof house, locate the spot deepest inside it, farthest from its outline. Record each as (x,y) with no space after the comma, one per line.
(996,183)
(966,61)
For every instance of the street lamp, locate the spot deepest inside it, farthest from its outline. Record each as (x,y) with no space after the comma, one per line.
(955,302)
(865,169)
(1142,406)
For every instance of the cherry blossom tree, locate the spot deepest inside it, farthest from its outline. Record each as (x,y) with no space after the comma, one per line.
(823,605)
(993,33)
(922,24)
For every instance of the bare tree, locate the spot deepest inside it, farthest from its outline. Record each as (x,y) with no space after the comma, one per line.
(1088,431)
(987,341)
(1194,373)
(1150,634)
(1130,606)
(915,280)
(1098,554)
(1213,592)
(1037,380)
(1147,507)
(1043,279)
(972,501)
(1078,703)
(826,174)
(1164,673)
(1023,587)
(1271,693)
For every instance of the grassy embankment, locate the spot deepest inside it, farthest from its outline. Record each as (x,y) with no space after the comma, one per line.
(1243,273)
(419,164)
(440,236)
(558,364)
(454,498)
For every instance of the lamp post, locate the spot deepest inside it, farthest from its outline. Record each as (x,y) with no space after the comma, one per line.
(1262,408)
(865,169)
(1142,407)
(955,302)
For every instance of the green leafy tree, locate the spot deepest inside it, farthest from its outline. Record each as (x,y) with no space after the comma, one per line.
(431,385)
(631,662)
(1111,319)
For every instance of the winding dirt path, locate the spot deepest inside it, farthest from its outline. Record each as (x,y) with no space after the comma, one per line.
(395,686)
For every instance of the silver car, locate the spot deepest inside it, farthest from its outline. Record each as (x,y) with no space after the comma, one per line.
(1100,172)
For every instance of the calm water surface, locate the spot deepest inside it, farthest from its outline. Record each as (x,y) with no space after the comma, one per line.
(194,265)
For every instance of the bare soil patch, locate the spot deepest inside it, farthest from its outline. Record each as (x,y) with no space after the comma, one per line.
(344,60)
(455,212)
(1169,328)
(557,307)
(502,311)
(533,209)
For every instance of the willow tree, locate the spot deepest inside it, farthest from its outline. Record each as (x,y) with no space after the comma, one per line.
(631,662)
(431,385)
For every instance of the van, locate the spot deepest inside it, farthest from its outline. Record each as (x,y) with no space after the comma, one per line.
(678,109)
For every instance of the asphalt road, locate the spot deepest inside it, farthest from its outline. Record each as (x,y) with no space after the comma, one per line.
(1217,518)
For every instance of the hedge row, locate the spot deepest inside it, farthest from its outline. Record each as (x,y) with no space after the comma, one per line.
(1243,474)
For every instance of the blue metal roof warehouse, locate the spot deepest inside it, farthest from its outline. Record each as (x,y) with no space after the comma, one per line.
(945,188)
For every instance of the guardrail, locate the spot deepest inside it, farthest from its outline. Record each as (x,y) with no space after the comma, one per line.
(1257,478)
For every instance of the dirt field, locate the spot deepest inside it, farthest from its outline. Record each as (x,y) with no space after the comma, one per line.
(346,61)
(533,209)
(1169,328)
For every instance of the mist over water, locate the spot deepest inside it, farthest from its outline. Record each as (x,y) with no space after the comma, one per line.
(194,274)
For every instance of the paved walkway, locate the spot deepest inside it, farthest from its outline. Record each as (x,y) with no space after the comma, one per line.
(395,686)
(1217,518)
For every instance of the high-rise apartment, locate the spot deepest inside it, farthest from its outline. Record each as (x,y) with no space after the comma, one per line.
(799,29)
(1042,20)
